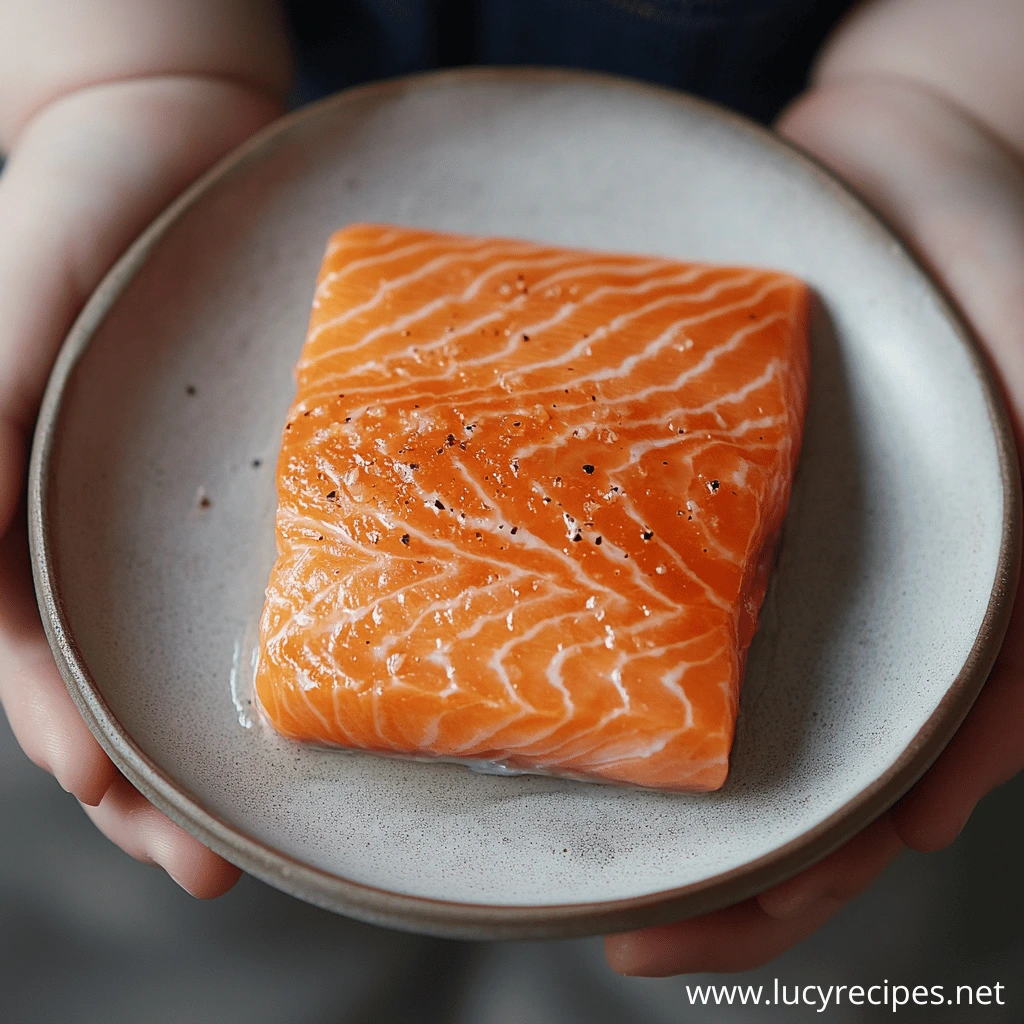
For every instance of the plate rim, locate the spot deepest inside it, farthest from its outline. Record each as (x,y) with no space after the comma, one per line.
(496,921)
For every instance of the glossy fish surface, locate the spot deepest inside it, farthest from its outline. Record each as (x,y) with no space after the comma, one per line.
(529,502)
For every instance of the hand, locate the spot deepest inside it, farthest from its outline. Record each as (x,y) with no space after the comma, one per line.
(955,192)
(86,175)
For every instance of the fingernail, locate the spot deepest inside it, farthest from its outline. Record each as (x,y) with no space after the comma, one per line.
(797,904)
(623,954)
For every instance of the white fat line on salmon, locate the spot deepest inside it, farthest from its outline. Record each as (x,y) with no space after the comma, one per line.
(555,753)
(293,680)
(396,284)
(554,593)
(478,396)
(381,258)
(339,686)
(619,750)
(558,660)
(463,247)
(516,304)
(673,414)
(386,287)
(616,556)
(525,640)
(671,681)
(618,323)
(405,351)
(762,380)
(576,275)
(473,747)
(709,592)
(337,531)
(668,336)
(559,751)
(361,236)
(468,522)
(453,552)
(536,331)
(622,748)
(440,657)
(696,439)
(539,262)
(332,585)
(301,554)
(533,330)
(615,677)
(425,583)
(554,676)
(450,604)
(551,673)
(326,467)
(551,624)
(526,538)
(331,671)
(707,361)
(573,272)
(376,692)
(496,663)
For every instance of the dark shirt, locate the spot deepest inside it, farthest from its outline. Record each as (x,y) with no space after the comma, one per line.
(751,55)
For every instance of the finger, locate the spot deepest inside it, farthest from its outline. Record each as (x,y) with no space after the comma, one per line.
(839,877)
(130,821)
(752,933)
(42,715)
(13,457)
(987,751)
(738,938)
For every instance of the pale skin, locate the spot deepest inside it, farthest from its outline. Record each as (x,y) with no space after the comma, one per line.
(108,108)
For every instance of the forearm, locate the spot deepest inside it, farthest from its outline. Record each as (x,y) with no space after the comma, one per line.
(967,52)
(51,48)
(933,153)
(89,172)
(938,154)
(108,109)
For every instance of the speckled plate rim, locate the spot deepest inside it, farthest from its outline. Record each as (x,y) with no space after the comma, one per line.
(477,921)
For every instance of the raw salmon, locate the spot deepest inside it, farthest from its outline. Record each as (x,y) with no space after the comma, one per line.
(529,500)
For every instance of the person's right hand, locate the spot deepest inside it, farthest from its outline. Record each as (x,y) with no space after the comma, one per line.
(108,109)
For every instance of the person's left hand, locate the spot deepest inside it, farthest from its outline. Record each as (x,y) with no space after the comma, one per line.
(955,192)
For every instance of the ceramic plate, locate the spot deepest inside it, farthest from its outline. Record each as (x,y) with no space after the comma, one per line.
(152,501)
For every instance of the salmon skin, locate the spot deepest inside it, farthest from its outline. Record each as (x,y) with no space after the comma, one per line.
(529,501)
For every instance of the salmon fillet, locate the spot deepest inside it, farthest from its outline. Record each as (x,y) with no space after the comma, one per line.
(529,501)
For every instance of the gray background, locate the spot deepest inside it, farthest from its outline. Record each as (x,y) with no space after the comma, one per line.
(88,935)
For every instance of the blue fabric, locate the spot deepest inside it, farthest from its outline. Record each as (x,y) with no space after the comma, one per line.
(751,55)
